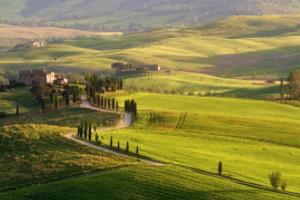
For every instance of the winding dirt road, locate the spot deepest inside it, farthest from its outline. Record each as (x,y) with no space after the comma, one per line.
(123,123)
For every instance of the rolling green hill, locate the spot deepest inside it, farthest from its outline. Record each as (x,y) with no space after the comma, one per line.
(175,49)
(135,15)
(252,138)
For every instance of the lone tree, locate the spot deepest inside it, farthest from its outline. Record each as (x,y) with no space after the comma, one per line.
(127,147)
(220,168)
(90,131)
(137,150)
(17,109)
(111,142)
(275,179)
(118,145)
(284,185)
(294,84)
(56,101)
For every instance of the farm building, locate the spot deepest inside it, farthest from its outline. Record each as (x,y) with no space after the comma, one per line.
(41,77)
(38,44)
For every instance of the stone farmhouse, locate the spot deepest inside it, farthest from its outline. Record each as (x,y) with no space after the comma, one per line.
(40,77)
(38,44)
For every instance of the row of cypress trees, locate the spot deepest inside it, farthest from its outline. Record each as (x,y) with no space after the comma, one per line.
(107,103)
(119,146)
(85,130)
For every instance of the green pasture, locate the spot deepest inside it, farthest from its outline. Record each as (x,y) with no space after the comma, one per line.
(199,84)
(258,56)
(21,96)
(143,183)
(31,153)
(252,138)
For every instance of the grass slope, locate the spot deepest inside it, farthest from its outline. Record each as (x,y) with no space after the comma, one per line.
(31,153)
(250,54)
(21,96)
(252,138)
(199,84)
(135,183)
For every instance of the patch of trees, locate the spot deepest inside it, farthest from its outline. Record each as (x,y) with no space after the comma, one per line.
(276,181)
(294,85)
(130,106)
(97,84)
(57,96)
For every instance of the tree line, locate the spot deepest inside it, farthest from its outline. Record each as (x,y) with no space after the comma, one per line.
(106,103)
(95,84)
(86,129)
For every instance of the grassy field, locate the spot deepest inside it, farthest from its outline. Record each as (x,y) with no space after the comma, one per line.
(143,183)
(258,56)
(31,153)
(252,138)
(7,31)
(199,84)
(21,96)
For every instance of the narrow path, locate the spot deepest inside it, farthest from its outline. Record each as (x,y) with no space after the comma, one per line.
(72,137)
(122,124)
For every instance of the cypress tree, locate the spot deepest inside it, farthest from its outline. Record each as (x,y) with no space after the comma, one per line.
(113,103)
(281,90)
(17,110)
(127,147)
(109,104)
(101,102)
(85,130)
(55,101)
(43,105)
(220,168)
(90,131)
(118,145)
(67,98)
(117,106)
(96,138)
(78,131)
(111,142)
(98,101)
(137,150)
(105,103)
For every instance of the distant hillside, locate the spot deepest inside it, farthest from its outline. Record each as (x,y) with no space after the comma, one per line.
(253,26)
(131,15)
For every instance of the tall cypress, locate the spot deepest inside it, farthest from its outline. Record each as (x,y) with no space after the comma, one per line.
(85,130)
(17,109)
(127,147)
(111,142)
(43,105)
(90,131)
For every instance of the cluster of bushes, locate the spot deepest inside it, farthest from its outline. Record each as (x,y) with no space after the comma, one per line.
(277,181)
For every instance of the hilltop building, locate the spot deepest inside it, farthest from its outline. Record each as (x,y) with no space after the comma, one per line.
(38,44)
(41,77)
